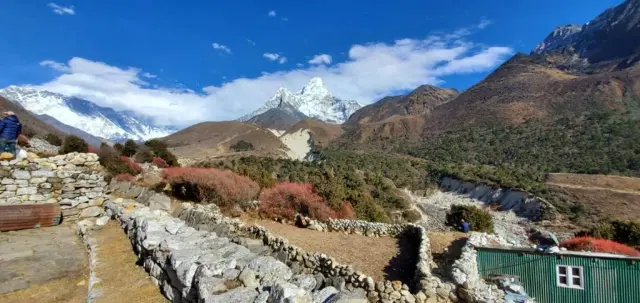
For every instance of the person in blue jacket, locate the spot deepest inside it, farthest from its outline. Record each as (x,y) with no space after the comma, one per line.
(10,129)
(465,226)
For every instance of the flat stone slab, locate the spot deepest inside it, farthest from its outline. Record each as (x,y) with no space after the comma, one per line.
(37,256)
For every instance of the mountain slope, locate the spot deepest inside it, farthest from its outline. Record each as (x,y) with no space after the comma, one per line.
(31,125)
(420,101)
(611,39)
(85,115)
(210,139)
(89,138)
(280,118)
(314,101)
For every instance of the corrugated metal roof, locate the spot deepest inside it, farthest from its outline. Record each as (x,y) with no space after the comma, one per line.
(25,216)
(566,252)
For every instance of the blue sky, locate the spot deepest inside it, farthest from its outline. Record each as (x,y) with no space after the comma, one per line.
(214,55)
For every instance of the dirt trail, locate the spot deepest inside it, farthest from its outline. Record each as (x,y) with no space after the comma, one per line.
(48,265)
(122,280)
(383,257)
(615,190)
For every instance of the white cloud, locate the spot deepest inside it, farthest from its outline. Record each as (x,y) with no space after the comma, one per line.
(320,59)
(370,72)
(271,13)
(149,75)
(55,65)
(61,10)
(221,47)
(484,23)
(285,19)
(299,64)
(282,60)
(251,42)
(271,56)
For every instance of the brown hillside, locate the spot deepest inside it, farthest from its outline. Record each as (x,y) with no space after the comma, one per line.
(393,127)
(527,87)
(419,102)
(321,133)
(603,196)
(210,139)
(31,124)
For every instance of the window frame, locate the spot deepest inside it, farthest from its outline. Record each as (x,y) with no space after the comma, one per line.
(570,276)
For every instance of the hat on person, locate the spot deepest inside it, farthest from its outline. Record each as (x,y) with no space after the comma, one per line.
(9,113)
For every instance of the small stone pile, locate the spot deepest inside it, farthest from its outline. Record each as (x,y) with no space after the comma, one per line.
(73,180)
(193,265)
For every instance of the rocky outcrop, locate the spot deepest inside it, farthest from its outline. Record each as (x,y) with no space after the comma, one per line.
(522,203)
(73,180)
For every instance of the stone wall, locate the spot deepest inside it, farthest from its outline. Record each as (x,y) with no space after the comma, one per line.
(191,265)
(73,180)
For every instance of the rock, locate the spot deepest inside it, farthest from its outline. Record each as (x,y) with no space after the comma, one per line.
(270,270)
(325,295)
(263,297)
(237,295)
(319,281)
(21,174)
(102,221)
(358,295)
(230,274)
(306,282)
(160,201)
(248,278)
(337,282)
(284,292)
(27,191)
(91,212)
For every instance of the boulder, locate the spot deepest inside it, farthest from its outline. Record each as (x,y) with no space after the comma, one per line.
(325,295)
(237,295)
(284,292)
(89,212)
(270,270)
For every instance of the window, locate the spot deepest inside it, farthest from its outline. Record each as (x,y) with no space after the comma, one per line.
(570,276)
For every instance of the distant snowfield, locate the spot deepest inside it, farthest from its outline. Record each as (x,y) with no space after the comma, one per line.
(297,143)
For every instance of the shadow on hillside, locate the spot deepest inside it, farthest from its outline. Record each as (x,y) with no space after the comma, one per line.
(403,266)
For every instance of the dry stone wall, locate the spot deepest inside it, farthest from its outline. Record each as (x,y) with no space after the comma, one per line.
(73,180)
(191,265)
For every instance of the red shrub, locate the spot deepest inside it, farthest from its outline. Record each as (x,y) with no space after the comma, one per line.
(92,149)
(210,185)
(286,199)
(159,162)
(599,245)
(125,177)
(135,167)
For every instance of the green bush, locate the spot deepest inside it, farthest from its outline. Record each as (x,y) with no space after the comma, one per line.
(626,232)
(53,139)
(160,149)
(72,144)
(144,155)
(130,148)
(113,162)
(118,147)
(479,219)
(242,146)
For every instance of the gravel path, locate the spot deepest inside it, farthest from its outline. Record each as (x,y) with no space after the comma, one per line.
(383,257)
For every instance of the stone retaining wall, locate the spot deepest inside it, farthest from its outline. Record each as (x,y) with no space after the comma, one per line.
(192,265)
(73,180)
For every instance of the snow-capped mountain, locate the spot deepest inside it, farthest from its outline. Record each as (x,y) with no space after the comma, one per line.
(314,100)
(96,120)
